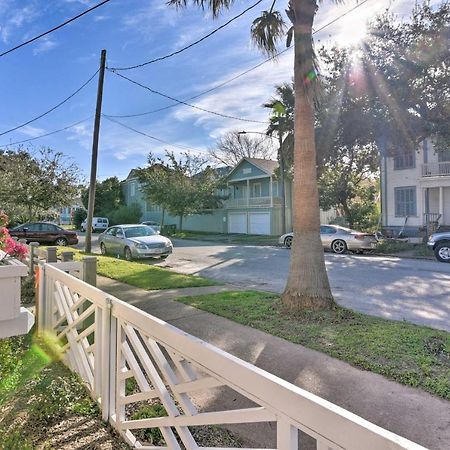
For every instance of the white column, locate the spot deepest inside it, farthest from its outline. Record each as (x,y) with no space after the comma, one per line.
(441,202)
(271,192)
(248,192)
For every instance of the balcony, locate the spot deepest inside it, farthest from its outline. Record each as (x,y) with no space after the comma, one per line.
(439,169)
(261,202)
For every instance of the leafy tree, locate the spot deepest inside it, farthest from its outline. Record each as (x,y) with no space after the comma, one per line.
(235,145)
(407,68)
(181,186)
(108,196)
(36,182)
(307,286)
(78,217)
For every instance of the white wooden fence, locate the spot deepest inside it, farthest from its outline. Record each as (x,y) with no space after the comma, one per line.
(107,342)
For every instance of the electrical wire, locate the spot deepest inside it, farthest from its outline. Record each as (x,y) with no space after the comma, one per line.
(251,69)
(47,134)
(148,135)
(29,41)
(192,44)
(54,107)
(181,102)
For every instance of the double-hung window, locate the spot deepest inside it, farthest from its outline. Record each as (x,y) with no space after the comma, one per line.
(405,160)
(405,201)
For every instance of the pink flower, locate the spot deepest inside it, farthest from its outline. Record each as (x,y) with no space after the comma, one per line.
(14,248)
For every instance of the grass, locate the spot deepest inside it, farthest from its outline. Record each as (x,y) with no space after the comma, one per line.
(41,401)
(142,275)
(409,354)
(391,247)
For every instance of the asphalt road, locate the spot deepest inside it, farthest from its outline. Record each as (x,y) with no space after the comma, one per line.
(396,288)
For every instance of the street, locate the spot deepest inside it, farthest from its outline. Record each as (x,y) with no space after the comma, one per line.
(395,288)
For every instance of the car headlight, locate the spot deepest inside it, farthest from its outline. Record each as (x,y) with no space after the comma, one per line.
(140,246)
(168,244)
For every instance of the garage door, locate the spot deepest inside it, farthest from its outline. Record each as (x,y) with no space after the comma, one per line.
(237,223)
(259,223)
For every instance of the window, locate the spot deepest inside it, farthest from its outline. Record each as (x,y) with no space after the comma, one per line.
(133,189)
(48,227)
(247,170)
(405,160)
(256,190)
(405,201)
(112,231)
(327,230)
(444,155)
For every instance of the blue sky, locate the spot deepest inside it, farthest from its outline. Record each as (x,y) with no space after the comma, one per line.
(38,76)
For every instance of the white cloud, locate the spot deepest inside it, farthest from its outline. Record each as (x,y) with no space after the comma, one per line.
(28,130)
(44,45)
(14,19)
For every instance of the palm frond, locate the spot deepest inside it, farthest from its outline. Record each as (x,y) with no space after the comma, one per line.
(215,6)
(267,30)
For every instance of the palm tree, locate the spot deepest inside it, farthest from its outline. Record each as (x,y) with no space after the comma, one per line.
(307,286)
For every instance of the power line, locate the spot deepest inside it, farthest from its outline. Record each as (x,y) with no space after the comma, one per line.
(47,134)
(51,109)
(181,102)
(148,135)
(29,41)
(251,69)
(161,58)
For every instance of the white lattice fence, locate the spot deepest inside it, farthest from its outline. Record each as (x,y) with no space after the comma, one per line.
(129,358)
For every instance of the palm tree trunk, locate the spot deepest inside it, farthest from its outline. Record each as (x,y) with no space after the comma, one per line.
(307,286)
(282,180)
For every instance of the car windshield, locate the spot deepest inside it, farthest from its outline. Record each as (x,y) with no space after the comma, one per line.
(141,231)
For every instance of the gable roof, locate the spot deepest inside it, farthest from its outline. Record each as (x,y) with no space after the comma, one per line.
(268,166)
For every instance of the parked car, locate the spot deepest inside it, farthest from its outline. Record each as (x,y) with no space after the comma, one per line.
(440,244)
(134,241)
(44,233)
(98,224)
(339,239)
(155,225)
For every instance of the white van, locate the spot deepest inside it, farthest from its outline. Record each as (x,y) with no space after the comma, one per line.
(98,224)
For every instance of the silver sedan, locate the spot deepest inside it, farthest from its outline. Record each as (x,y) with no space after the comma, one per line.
(339,239)
(134,241)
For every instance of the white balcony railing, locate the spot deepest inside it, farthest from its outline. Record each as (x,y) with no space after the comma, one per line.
(110,343)
(252,202)
(439,169)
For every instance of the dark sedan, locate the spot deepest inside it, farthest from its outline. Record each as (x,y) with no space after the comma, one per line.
(44,233)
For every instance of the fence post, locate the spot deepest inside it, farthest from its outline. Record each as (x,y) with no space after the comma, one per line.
(41,303)
(90,270)
(67,256)
(108,342)
(51,255)
(33,247)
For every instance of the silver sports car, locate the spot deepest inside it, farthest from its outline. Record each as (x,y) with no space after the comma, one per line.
(134,241)
(339,239)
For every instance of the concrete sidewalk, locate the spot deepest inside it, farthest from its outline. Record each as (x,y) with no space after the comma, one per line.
(411,413)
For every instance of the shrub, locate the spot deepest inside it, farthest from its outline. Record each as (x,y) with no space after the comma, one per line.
(125,214)
(79,215)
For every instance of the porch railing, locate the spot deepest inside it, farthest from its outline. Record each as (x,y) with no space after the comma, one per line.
(252,201)
(113,345)
(436,169)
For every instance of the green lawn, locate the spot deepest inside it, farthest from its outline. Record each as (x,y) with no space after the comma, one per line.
(409,354)
(142,275)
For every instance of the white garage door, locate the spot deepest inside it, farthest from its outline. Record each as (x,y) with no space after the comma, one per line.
(237,223)
(259,223)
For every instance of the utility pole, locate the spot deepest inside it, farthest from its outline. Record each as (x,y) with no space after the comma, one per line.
(98,114)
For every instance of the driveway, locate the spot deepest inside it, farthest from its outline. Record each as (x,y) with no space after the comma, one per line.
(394,288)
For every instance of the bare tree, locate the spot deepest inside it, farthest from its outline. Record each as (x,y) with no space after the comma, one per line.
(235,145)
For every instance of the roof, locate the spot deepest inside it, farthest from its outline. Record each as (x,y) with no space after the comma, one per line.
(268,166)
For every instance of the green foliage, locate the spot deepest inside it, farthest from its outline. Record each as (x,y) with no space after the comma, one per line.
(409,354)
(181,186)
(33,183)
(125,214)
(150,435)
(27,291)
(108,197)
(78,217)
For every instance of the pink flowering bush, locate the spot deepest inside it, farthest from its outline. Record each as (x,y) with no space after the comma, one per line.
(11,247)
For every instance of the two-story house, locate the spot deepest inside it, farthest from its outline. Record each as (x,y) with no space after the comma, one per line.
(252,205)
(415,190)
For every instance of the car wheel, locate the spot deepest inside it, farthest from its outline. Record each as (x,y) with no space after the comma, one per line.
(442,252)
(339,246)
(103,248)
(127,253)
(61,242)
(288,242)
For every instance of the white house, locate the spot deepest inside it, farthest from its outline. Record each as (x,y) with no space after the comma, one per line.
(415,189)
